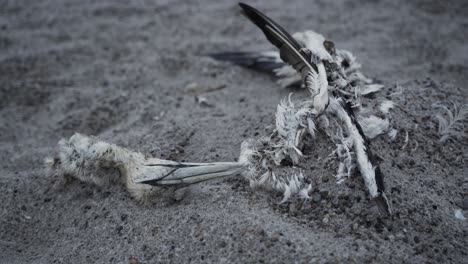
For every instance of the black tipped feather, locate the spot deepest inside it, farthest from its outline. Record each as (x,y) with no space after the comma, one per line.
(291,51)
(383,205)
(381,200)
(262,21)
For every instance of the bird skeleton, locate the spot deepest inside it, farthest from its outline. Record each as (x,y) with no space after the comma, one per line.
(336,86)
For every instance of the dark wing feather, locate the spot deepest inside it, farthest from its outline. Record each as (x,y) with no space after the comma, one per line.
(261,61)
(291,51)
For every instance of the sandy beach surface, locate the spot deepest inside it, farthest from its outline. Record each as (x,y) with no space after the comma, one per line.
(128,72)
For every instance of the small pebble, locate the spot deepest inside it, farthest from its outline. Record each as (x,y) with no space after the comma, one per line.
(292,209)
(201,100)
(326,219)
(459,215)
(274,238)
(325,194)
(222,244)
(192,87)
(405,239)
(316,198)
(123,217)
(336,202)
(465,203)
(133,260)
(306,207)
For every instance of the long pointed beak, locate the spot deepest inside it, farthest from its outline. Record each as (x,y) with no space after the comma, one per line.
(173,173)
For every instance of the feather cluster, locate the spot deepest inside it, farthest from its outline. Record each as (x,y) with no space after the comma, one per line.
(97,162)
(292,122)
(344,154)
(453,126)
(336,90)
(261,158)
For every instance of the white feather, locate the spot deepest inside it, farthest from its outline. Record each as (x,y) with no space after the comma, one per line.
(386,106)
(459,215)
(370,89)
(287,76)
(314,42)
(453,126)
(350,58)
(373,126)
(392,134)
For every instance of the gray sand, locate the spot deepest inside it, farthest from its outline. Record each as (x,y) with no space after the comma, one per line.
(119,70)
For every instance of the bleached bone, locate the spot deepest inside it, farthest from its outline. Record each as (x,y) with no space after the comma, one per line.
(370,171)
(86,159)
